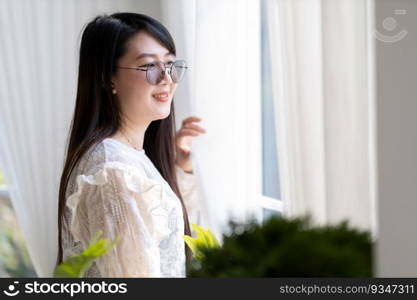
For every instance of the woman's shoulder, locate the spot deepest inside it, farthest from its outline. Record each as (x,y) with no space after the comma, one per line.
(109,152)
(109,163)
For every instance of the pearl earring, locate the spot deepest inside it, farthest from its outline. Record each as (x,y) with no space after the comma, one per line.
(114,91)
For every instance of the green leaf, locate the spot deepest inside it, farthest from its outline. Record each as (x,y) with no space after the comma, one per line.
(204,239)
(76,265)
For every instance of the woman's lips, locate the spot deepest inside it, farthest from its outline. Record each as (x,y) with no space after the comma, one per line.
(161,97)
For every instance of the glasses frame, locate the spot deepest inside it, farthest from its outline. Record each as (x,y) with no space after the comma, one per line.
(165,68)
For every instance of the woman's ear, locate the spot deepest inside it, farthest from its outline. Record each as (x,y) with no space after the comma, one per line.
(113,89)
(113,86)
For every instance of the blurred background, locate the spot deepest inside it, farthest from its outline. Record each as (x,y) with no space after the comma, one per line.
(309,107)
(15,260)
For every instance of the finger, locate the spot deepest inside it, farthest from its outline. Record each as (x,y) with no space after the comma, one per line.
(191,119)
(195,127)
(188,132)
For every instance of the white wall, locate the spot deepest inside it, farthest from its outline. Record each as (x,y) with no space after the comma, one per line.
(396,80)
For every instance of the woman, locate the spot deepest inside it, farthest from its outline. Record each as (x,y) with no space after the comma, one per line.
(124,156)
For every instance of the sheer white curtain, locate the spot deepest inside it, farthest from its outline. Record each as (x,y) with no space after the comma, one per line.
(220,40)
(323,107)
(38,63)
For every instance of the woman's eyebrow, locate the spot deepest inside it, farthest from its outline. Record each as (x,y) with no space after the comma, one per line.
(152,55)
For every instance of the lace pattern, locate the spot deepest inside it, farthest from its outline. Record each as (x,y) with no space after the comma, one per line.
(118,190)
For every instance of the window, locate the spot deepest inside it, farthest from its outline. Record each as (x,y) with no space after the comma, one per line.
(270,201)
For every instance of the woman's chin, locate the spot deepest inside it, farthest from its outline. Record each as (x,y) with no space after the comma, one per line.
(162,115)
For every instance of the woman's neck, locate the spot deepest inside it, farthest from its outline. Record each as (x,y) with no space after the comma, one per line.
(132,134)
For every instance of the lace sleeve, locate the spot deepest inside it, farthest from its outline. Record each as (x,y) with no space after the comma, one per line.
(112,202)
(188,187)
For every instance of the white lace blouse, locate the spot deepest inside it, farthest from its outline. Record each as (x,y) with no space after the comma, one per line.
(118,190)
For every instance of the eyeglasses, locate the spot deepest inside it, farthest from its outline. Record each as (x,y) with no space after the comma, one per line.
(155,71)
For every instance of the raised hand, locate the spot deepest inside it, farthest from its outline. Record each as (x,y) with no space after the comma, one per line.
(183,139)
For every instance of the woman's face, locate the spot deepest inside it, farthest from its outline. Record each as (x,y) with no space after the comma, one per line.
(136,95)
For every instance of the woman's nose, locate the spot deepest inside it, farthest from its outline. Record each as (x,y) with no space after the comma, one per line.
(166,79)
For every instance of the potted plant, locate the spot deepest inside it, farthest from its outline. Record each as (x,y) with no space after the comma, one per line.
(281,247)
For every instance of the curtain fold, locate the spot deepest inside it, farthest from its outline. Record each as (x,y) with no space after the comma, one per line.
(32,117)
(221,40)
(39,43)
(322,107)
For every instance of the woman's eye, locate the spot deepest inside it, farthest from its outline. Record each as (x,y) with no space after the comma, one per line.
(150,65)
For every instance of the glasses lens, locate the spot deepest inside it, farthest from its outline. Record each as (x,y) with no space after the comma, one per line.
(155,74)
(178,70)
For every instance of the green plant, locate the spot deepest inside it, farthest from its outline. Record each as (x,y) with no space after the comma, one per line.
(205,239)
(287,248)
(14,257)
(76,265)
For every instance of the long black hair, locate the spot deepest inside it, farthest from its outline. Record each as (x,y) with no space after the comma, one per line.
(97,112)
